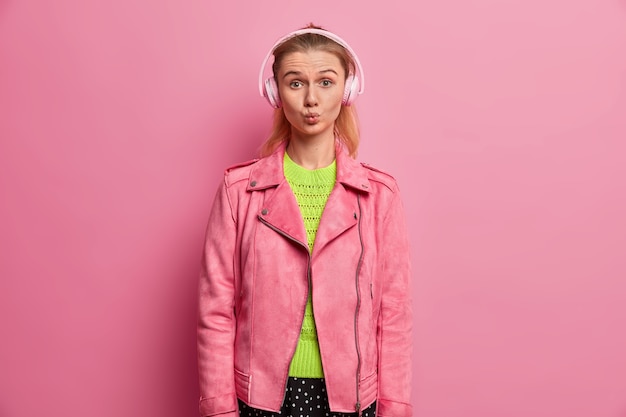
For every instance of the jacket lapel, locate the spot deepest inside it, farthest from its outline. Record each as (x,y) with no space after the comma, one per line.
(339,215)
(280,209)
(342,211)
(281,212)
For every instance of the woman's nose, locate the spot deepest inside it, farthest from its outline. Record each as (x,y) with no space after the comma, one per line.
(310,98)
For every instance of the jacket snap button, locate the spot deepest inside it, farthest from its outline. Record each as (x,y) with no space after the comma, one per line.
(264,212)
(253,184)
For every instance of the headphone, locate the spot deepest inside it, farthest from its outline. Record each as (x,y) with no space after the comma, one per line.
(355,83)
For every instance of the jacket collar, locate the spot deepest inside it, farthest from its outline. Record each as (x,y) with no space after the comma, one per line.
(268,172)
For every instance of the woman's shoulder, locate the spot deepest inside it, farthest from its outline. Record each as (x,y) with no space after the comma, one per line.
(380,176)
(239,171)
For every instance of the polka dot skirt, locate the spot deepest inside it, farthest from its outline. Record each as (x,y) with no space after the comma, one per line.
(305,397)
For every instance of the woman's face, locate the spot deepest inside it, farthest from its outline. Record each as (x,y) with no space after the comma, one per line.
(311,86)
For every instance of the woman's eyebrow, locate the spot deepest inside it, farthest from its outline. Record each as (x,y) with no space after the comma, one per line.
(299,73)
(296,73)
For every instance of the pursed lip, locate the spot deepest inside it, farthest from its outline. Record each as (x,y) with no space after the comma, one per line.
(312,118)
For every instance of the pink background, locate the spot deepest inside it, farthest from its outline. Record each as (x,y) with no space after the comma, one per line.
(503,121)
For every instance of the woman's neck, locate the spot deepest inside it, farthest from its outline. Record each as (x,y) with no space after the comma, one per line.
(312,154)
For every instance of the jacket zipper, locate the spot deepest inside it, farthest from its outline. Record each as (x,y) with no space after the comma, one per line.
(357,406)
(308,276)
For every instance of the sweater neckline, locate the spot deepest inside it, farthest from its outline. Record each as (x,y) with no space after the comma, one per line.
(296,173)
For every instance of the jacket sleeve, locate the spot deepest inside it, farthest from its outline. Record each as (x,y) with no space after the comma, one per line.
(395,319)
(216,318)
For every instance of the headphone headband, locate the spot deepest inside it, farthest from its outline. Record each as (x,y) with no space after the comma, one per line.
(324,33)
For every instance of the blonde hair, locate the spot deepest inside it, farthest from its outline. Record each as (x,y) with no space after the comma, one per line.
(346,125)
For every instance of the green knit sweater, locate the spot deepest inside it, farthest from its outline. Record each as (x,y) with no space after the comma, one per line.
(311,188)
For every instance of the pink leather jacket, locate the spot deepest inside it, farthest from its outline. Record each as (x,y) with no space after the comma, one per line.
(257,274)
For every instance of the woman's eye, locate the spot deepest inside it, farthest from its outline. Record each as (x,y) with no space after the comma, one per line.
(295,84)
(327,83)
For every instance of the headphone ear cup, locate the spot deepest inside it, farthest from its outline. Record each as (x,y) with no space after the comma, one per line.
(270,91)
(351,90)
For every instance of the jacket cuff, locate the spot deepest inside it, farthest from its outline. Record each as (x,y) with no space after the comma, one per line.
(222,406)
(388,408)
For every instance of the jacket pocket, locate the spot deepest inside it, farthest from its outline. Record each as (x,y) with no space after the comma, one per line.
(369,386)
(242,384)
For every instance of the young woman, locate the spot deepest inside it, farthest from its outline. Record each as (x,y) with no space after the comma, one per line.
(304,298)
